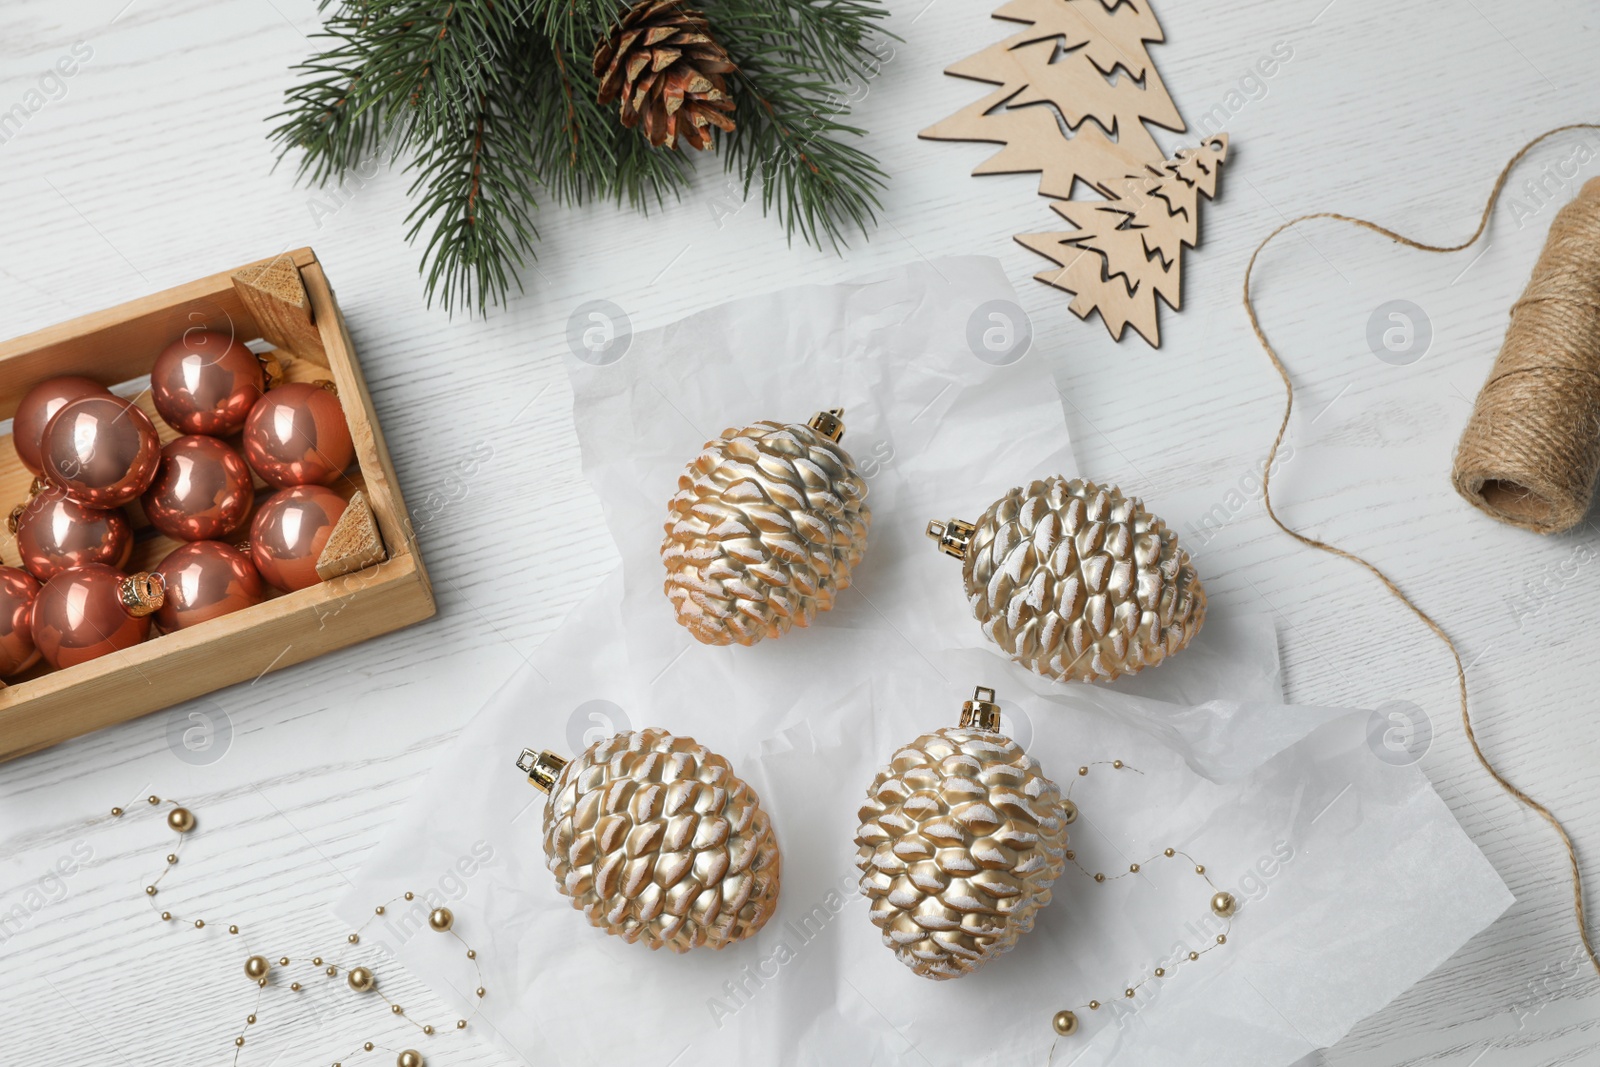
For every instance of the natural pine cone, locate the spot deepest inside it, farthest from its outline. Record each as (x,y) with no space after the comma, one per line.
(663,63)
(1076,581)
(961,837)
(655,839)
(767,523)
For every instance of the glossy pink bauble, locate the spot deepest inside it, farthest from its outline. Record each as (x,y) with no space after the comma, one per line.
(202,490)
(205,580)
(79,615)
(18,589)
(102,450)
(296,435)
(290,532)
(38,405)
(55,532)
(206,382)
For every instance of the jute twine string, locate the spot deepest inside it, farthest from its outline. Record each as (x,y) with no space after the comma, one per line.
(1388,583)
(1531,450)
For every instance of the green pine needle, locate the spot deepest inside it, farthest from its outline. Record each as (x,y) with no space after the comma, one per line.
(493,103)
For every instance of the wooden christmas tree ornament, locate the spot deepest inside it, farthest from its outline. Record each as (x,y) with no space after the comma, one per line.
(355,542)
(1075,90)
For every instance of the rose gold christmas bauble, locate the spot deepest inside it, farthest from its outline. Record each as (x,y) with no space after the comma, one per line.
(290,532)
(202,490)
(206,382)
(38,405)
(205,580)
(18,589)
(55,532)
(101,449)
(296,435)
(84,613)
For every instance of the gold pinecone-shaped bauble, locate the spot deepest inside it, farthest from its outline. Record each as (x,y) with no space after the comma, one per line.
(667,69)
(767,523)
(655,839)
(1076,581)
(961,837)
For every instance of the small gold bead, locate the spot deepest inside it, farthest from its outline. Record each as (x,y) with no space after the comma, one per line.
(1066,1023)
(149,890)
(199,924)
(154,799)
(353,938)
(1168,853)
(472,953)
(316,961)
(1094,1005)
(294,987)
(427,1030)
(1128,992)
(1161,972)
(181,820)
(378,910)
(360,979)
(1099,877)
(332,971)
(1224,904)
(461,1024)
(397,1009)
(1071,855)
(250,1019)
(1199,869)
(257,967)
(283,962)
(239,1042)
(1194,955)
(1069,812)
(166,916)
(1133,868)
(233,929)
(1116,763)
(481,991)
(262,982)
(368,1046)
(116,813)
(410,895)
(1222,939)
(441,919)
(172,857)
(1082,771)
(409,1058)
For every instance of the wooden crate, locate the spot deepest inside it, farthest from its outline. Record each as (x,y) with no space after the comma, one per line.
(293,308)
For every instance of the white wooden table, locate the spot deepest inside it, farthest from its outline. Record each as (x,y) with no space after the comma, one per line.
(150,166)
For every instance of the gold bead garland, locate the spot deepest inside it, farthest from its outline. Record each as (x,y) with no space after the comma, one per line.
(258,967)
(1223,904)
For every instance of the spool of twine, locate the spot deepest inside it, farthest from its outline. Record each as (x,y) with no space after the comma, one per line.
(1550,366)
(1531,450)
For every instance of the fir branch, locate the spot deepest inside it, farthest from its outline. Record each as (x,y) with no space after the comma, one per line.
(496,102)
(475,194)
(790,138)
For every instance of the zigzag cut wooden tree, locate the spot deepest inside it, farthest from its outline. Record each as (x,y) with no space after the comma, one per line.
(1076,95)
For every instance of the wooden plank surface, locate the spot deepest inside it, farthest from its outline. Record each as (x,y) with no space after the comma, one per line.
(150,168)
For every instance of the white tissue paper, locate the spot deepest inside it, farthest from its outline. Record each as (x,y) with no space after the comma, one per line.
(1353,878)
